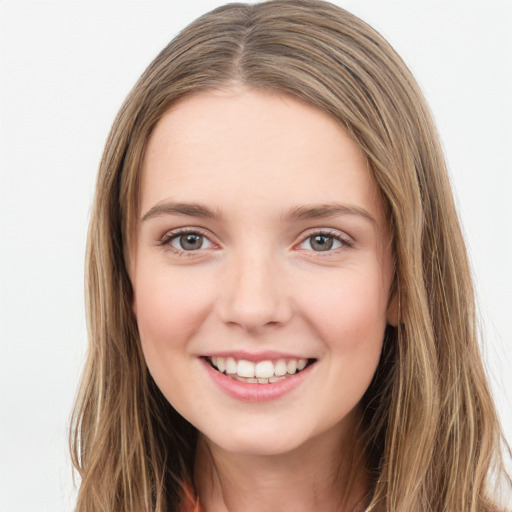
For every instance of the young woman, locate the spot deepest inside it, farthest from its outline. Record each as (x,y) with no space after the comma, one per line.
(280,306)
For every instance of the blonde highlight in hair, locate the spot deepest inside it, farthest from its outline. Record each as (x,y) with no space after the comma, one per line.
(430,428)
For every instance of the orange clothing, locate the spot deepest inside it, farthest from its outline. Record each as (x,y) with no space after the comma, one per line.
(190,501)
(191,506)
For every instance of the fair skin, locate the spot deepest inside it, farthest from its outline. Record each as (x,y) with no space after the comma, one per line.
(262,238)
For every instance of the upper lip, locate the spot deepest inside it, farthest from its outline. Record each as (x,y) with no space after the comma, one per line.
(255,356)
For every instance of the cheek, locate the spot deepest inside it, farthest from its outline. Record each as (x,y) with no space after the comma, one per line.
(350,312)
(351,320)
(169,306)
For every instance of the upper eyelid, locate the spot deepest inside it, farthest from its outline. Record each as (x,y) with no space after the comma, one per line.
(336,233)
(171,233)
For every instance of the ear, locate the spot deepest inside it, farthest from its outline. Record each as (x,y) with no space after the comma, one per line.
(393,309)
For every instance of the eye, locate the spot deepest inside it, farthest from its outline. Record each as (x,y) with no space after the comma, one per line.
(185,241)
(190,242)
(323,242)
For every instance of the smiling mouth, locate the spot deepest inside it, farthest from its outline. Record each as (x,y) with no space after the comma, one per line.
(262,372)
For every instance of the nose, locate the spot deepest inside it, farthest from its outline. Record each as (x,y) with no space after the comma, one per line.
(254,294)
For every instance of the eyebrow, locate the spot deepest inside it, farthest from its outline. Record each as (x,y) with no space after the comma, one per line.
(189,209)
(317,211)
(313,211)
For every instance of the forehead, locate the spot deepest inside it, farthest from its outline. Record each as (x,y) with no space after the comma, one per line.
(240,149)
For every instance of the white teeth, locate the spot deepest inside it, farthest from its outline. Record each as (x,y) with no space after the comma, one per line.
(280,368)
(264,369)
(291,367)
(245,369)
(230,365)
(263,372)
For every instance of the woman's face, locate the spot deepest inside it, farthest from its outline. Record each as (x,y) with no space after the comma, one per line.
(262,269)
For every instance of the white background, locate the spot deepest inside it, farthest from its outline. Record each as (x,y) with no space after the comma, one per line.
(65,68)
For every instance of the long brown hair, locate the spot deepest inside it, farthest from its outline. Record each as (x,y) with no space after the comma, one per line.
(431,430)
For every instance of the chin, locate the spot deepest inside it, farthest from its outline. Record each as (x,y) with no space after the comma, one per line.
(258,442)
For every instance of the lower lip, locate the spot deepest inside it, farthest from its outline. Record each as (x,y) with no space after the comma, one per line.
(249,392)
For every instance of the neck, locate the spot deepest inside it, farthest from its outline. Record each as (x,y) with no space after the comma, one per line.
(326,473)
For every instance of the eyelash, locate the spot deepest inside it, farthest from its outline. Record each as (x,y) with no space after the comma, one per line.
(169,237)
(345,241)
